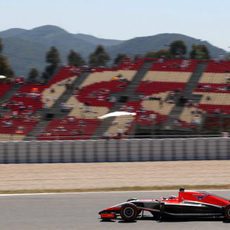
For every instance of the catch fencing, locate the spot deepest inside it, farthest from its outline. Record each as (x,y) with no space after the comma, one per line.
(122,150)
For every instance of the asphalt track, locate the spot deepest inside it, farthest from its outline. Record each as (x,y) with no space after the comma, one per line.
(80,211)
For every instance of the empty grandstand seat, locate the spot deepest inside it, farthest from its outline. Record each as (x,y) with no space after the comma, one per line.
(177,65)
(144,116)
(64,73)
(69,128)
(128,64)
(27,99)
(216,109)
(148,88)
(218,66)
(215,88)
(21,126)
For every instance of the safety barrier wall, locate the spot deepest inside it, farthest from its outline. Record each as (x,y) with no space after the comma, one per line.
(123,150)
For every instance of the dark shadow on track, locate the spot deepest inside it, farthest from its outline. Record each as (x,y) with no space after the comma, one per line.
(103,221)
(126,222)
(175,220)
(170,220)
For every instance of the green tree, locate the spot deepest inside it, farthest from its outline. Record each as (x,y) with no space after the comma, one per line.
(45,77)
(5,68)
(99,57)
(33,74)
(50,69)
(200,52)
(119,58)
(178,49)
(53,60)
(53,57)
(164,53)
(75,59)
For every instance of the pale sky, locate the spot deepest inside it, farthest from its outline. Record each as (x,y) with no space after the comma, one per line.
(123,19)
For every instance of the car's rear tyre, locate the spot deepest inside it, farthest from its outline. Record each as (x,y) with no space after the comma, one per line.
(227,213)
(129,212)
(156,215)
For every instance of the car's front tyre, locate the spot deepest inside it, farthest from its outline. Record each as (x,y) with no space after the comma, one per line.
(129,212)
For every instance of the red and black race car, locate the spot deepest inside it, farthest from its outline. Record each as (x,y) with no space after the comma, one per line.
(188,204)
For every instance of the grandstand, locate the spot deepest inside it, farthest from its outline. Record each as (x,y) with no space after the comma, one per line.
(180,95)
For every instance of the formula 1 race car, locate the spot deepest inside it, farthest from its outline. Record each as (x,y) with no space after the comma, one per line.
(188,204)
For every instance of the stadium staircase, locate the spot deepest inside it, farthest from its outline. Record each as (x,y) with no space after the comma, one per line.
(10,93)
(130,90)
(55,110)
(187,93)
(128,93)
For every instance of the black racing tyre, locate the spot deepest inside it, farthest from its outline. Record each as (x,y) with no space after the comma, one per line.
(129,212)
(156,215)
(227,213)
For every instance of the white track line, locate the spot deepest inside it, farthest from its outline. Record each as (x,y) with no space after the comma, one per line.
(115,192)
